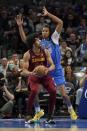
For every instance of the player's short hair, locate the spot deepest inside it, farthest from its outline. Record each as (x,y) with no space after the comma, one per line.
(31,39)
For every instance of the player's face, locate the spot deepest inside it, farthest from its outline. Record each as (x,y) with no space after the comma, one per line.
(37,43)
(45,32)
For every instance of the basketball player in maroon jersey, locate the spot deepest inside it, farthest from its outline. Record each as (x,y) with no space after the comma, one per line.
(32,58)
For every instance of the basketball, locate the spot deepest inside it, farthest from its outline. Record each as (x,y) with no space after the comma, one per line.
(40,70)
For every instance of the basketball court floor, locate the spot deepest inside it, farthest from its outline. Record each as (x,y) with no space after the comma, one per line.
(61,124)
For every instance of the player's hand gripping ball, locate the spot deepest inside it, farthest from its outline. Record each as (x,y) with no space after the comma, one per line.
(41,70)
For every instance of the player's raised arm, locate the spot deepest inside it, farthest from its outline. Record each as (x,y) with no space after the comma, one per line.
(19,21)
(58,21)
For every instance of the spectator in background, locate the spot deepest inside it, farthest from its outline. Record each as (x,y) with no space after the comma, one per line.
(28,28)
(81,52)
(68,58)
(84,11)
(73,42)
(69,75)
(64,47)
(21,92)
(12,76)
(82,29)
(15,59)
(67,32)
(8,27)
(6,99)
(70,20)
(4,66)
(80,90)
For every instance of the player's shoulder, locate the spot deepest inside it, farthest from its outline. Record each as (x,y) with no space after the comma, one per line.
(55,37)
(55,33)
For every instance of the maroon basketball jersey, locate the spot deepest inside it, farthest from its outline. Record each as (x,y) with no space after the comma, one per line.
(36,60)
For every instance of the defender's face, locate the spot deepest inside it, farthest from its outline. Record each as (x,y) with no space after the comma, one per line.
(45,32)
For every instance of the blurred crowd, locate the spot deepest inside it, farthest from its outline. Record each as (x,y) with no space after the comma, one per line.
(73,44)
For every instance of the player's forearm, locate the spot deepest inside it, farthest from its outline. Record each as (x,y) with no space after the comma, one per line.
(22,34)
(52,67)
(26,73)
(55,18)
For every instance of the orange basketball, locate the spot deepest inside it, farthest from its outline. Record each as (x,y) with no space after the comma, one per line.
(40,70)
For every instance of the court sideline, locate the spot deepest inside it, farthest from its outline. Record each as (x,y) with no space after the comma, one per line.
(61,124)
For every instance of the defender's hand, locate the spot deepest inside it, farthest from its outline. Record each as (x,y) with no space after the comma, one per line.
(45,12)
